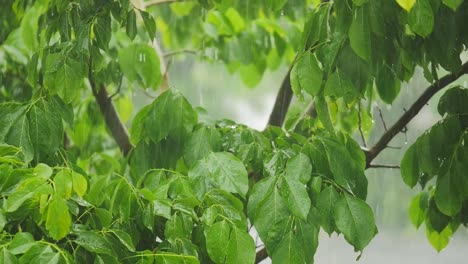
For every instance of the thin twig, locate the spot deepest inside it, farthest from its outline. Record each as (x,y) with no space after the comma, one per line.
(383,166)
(381,118)
(159,2)
(412,112)
(360,125)
(177,52)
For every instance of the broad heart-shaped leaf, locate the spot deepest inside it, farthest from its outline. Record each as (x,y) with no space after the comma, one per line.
(140,62)
(64,76)
(223,170)
(453,4)
(295,194)
(298,168)
(387,84)
(58,218)
(171,258)
(454,101)
(421,18)
(306,75)
(355,219)
(325,204)
(360,33)
(200,143)
(170,115)
(406,4)
(288,251)
(230,245)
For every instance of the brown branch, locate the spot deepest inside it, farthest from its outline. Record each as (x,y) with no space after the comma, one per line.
(111,117)
(261,255)
(412,112)
(282,102)
(159,2)
(383,166)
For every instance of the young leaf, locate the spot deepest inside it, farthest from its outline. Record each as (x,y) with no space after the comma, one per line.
(355,219)
(63,184)
(58,220)
(406,4)
(80,185)
(453,4)
(43,170)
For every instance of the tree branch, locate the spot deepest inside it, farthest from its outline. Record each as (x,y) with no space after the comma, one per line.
(282,102)
(111,117)
(412,112)
(383,166)
(261,255)
(159,2)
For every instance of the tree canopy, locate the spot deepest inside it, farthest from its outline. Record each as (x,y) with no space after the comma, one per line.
(83,180)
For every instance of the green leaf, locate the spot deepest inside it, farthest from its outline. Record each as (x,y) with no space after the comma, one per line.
(298,168)
(140,62)
(229,245)
(296,197)
(326,202)
(406,4)
(387,84)
(179,226)
(64,76)
(421,18)
(14,128)
(259,192)
(171,258)
(306,75)
(355,219)
(288,251)
(170,115)
(453,4)
(360,33)
(80,185)
(3,220)
(360,2)
(224,169)
(102,30)
(131,27)
(323,113)
(63,184)
(22,242)
(200,143)
(338,86)
(124,238)
(94,242)
(6,257)
(58,221)
(453,101)
(28,189)
(440,240)
(43,170)
(449,193)
(150,24)
(410,167)
(418,209)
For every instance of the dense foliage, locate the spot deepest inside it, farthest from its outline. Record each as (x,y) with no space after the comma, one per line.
(183,188)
